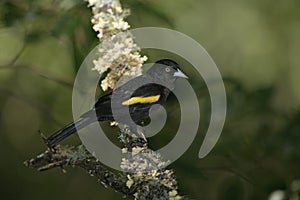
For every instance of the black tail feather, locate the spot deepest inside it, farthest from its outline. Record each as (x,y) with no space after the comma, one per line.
(66,131)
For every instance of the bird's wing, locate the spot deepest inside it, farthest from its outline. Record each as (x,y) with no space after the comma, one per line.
(140,99)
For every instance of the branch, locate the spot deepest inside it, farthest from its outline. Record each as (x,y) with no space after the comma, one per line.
(155,184)
(65,156)
(43,73)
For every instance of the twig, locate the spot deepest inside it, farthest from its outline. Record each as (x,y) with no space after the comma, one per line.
(44,74)
(156,184)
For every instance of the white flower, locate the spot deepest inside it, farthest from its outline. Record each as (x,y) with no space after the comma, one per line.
(117,51)
(120,24)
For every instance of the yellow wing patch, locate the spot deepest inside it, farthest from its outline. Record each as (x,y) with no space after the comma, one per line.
(135,100)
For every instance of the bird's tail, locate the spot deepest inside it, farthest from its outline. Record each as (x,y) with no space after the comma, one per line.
(66,131)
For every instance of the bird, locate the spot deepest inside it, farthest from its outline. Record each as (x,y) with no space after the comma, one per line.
(134,98)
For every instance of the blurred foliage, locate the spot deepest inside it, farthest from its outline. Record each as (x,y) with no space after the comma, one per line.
(255,44)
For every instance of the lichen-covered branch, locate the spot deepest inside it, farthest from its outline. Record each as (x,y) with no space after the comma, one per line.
(65,156)
(118,52)
(155,184)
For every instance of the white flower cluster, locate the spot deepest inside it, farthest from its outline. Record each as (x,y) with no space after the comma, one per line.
(112,48)
(120,54)
(117,52)
(98,4)
(109,22)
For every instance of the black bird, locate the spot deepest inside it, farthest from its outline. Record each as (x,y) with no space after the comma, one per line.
(138,94)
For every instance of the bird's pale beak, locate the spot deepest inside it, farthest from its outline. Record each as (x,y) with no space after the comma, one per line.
(180,74)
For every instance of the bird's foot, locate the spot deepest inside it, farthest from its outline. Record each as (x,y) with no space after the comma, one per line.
(44,138)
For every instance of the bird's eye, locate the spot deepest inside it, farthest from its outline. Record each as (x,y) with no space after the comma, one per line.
(167,69)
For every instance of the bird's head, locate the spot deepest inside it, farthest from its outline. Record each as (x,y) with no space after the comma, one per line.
(166,69)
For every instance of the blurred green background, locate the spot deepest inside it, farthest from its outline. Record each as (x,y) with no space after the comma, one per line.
(255,44)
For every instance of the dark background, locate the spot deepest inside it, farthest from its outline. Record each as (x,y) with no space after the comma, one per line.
(255,44)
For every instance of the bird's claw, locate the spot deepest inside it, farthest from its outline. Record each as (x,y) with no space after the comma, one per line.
(44,138)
